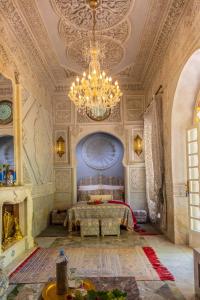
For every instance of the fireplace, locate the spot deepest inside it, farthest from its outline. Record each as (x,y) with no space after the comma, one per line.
(16,212)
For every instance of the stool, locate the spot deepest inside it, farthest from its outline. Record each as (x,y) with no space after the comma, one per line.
(140,215)
(110,226)
(89,227)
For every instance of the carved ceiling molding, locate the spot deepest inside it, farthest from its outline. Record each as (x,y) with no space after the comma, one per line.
(24,40)
(113,52)
(168,15)
(13,61)
(170,24)
(31,13)
(78,13)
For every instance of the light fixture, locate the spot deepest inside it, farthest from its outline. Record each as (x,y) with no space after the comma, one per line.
(198,113)
(95,94)
(138,145)
(60,146)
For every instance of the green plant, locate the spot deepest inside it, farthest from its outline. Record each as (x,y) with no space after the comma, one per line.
(104,295)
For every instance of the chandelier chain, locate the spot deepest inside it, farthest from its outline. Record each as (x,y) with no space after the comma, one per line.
(94,92)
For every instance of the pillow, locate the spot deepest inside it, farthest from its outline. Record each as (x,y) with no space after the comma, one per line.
(106,198)
(95,197)
(103,198)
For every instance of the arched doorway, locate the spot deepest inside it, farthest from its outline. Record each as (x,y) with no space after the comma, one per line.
(99,166)
(182,119)
(76,139)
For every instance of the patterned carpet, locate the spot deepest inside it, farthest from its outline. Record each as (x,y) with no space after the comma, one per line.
(148,289)
(127,239)
(89,262)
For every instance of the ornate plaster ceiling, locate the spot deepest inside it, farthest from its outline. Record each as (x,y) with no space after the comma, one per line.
(52,33)
(78,14)
(127,29)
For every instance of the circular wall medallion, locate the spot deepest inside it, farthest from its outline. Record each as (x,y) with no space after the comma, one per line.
(79,14)
(6,114)
(100,152)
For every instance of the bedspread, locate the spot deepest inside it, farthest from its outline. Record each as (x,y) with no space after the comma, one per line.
(106,210)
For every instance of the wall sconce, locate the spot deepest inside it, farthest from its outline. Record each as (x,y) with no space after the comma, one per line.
(198,113)
(60,146)
(138,145)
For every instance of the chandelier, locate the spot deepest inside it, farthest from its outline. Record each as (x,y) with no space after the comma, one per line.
(95,94)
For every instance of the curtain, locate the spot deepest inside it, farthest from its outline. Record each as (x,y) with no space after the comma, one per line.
(154,161)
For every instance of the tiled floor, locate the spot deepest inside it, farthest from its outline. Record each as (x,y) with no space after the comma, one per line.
(178,259)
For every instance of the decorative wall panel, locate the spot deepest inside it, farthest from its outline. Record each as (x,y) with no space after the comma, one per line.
(137,186)
(133,107)
(64,188)
(62,110)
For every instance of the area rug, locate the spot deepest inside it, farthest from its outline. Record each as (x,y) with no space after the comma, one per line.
(89,262)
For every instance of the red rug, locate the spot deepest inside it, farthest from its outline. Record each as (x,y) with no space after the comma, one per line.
(162,271)
(40,265)
(23,263)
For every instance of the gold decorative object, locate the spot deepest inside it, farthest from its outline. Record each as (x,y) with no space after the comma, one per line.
(8,224)
(60,146)
(95,94)
(49,291)
(18,234)
(11,230)
(138,145)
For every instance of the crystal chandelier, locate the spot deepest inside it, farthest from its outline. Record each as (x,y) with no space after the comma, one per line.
(95,94)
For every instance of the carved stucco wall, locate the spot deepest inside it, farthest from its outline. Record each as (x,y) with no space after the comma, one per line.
(36,119)
(125,123)
(166,71)
(38,156)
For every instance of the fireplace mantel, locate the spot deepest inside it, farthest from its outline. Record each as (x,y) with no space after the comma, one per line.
(18,195)
(14,194)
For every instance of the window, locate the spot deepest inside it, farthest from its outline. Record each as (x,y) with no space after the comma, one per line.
(193,178)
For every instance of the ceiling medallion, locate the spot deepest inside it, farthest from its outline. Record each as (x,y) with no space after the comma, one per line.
(95,94)
(111,49)
(79,12)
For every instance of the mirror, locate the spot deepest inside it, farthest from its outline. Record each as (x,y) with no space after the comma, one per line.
(7,163)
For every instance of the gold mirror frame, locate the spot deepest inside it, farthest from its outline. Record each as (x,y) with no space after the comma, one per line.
(17,120)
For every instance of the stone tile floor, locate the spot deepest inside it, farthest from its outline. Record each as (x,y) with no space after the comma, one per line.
(178,259)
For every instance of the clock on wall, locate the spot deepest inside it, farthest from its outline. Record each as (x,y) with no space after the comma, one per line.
(6,113)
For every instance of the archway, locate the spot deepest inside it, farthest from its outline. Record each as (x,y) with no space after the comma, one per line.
(99,166)
(182,118)
(90,131)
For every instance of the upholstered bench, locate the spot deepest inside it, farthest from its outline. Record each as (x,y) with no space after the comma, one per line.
(110,226)
(89,227)
(140,215)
